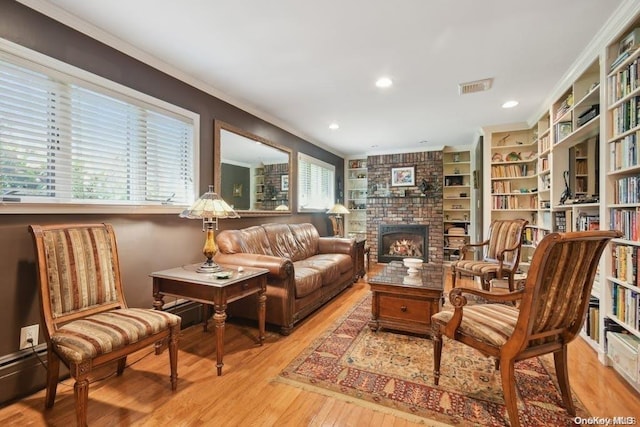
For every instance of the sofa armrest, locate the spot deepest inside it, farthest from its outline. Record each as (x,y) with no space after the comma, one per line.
(280,268)
(337,245)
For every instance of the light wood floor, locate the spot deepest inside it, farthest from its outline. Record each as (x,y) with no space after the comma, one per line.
(246,395)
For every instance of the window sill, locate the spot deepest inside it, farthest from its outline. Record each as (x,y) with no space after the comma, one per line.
(70,208)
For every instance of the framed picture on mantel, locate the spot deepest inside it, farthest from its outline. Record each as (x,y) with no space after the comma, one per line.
(404,176)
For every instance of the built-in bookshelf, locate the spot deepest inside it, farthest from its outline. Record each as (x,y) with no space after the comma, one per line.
(356,197)
(590,135)
(620,296)
(456,203)
(514,160)
(259,187)
(574,158)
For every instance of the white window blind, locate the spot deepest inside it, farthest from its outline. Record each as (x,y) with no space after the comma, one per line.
(315,183)
(64,139)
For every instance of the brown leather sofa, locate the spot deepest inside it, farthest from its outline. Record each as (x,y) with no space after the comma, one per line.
(305,270)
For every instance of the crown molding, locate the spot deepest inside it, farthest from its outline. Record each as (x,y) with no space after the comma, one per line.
(57,13)
(617,22)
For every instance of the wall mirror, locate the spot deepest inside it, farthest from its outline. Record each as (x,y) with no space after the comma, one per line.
(252,174)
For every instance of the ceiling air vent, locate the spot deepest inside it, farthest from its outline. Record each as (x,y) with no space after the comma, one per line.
(475,86)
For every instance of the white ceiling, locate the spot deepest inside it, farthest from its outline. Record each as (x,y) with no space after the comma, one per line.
(305,64)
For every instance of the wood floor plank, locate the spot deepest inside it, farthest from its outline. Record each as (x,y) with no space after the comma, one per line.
(247,394)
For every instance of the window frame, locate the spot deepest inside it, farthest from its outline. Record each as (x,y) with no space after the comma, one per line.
(331,185)
(39,62)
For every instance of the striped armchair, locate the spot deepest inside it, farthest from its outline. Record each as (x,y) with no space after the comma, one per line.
(552,309)
(501,254)
(87,322)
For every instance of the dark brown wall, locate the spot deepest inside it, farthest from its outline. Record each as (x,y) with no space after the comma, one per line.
(146,242)
(236,175)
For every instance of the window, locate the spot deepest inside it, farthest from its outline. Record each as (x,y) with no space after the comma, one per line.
(70,137)
(315,183)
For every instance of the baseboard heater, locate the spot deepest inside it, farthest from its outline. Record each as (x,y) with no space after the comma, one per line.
(21,373)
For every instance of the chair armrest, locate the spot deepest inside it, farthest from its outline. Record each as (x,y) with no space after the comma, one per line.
(456,297)
(336,245)
(459,301)
(280,268)
(471,246)
(501,254)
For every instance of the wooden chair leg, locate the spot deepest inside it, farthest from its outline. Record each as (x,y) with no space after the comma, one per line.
(507,373)
(122,363)
(562,372)
(53,369)
(437,353)
(173,355)
(486,283)
(81,391)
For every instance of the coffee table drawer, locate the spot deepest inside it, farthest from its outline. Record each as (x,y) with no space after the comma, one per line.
(403,308)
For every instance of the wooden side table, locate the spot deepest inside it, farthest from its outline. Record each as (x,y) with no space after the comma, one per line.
(185,282)
(361,250)
(400,306)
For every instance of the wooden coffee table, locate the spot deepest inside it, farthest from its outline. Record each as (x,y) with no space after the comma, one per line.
(186,282)
(403,304)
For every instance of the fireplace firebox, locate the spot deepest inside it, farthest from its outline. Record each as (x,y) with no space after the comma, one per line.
(398,241)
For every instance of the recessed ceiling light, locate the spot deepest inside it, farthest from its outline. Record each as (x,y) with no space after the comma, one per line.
(509,104)
(334,126)
(384,82)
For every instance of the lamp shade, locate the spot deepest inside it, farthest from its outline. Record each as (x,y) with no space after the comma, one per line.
(338,209)
(208,206)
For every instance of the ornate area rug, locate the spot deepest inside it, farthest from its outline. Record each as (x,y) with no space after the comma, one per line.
(393,372)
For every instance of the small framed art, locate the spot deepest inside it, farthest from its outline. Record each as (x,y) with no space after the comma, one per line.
(404,176)
(237,190)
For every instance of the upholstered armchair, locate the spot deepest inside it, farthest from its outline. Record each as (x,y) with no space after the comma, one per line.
(500,254)
(552,308)
(87,322)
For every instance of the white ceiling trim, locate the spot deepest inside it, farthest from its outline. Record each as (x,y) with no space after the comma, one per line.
(621,18)
(70,20)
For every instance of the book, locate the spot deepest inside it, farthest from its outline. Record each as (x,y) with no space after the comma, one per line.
(620,59)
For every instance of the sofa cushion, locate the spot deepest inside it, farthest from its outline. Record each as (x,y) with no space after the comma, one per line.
(329,270)
(307,280)
(307,238)
(343,261)
(251,240)
(282,242)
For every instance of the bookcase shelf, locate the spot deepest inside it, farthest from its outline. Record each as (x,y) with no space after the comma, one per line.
(590,133)
(456,201)
(620,296)
(356,197)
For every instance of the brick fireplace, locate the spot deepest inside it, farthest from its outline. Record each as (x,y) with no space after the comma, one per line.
(406,205)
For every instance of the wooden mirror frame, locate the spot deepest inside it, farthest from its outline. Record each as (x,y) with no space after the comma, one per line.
(217,173)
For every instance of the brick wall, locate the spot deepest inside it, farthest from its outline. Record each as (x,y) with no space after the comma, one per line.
(387,204)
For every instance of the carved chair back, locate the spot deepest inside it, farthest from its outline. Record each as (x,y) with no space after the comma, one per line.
(558,287)
(504,234)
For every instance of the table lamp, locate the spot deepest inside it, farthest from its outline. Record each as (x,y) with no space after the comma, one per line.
(335,214)
(209,207)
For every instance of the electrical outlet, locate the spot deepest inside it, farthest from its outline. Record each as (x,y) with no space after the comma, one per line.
(29,333)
